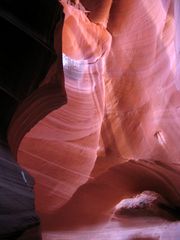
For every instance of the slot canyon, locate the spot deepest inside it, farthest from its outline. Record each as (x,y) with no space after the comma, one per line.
(90,121)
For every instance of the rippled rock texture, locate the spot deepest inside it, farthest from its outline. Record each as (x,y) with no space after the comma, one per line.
(121,68)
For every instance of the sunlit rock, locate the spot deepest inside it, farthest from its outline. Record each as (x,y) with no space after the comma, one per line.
(121,67)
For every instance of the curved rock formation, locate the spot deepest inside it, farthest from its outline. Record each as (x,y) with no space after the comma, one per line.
(60,150)
(121,67)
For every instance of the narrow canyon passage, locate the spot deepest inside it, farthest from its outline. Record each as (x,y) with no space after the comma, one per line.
(121,71)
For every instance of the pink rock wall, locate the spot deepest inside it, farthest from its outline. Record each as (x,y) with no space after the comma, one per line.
(121,68)
(60,151)
(142,98)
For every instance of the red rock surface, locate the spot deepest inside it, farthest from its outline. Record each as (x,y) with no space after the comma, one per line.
(121,67)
